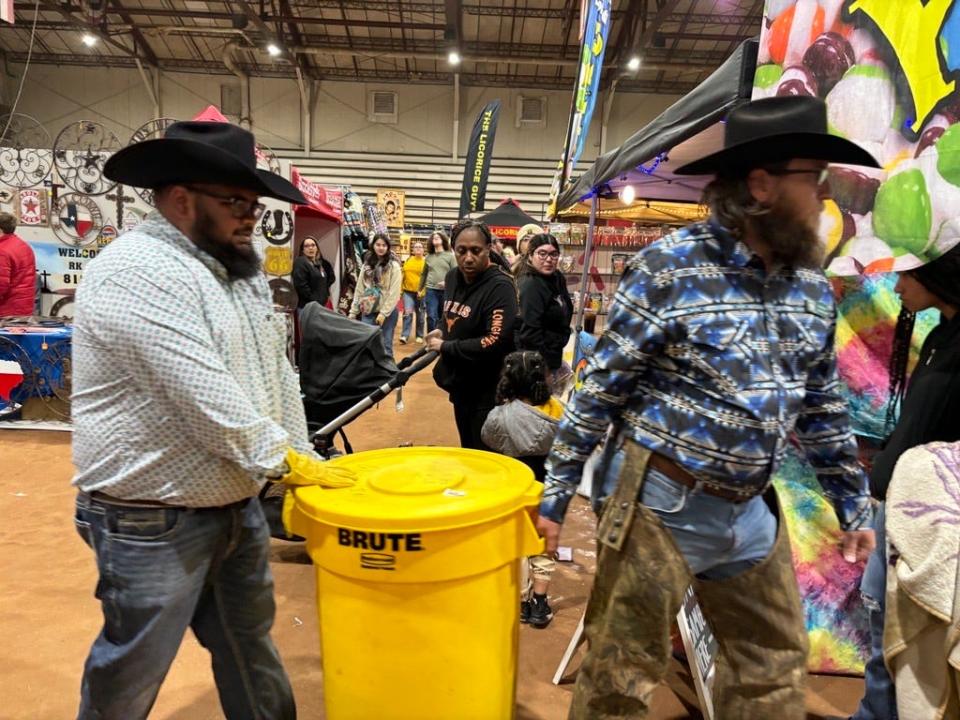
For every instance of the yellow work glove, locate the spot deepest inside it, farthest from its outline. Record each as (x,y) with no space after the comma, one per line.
(306,470)
(381,318)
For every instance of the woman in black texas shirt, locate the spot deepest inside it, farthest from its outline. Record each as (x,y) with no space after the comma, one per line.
(929,411)
(476,330)
(545,305)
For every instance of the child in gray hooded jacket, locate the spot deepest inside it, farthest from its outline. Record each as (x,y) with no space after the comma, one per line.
(523,426)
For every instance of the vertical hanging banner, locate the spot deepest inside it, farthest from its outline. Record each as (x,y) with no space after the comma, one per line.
(476,168)
(6,11)
(593,45)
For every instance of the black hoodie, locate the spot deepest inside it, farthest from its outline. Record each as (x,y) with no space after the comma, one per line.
(477,323)
(931,407)
(545,314)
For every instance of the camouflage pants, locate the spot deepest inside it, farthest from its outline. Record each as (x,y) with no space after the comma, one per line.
(756,617)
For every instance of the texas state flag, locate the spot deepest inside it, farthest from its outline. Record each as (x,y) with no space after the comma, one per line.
(77,218)
(11,375)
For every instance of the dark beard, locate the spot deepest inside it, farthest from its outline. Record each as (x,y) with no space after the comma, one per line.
(239,264)
(791,241)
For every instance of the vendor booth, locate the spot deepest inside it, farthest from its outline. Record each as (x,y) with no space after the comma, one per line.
(322,220)
(506,219)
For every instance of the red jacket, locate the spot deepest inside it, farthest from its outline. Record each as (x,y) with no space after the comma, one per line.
(18,276)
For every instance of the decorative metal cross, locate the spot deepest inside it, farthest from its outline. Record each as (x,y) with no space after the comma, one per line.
(53,190)
(43,279)
(121,199)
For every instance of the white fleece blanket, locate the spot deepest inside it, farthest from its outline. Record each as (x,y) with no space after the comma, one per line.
(923,524)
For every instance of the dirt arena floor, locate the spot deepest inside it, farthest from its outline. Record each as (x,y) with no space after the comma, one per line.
(50,616)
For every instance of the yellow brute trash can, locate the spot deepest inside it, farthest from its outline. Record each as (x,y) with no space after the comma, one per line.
(418,582)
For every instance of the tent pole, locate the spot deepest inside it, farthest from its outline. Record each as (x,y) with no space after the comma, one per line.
(587,252)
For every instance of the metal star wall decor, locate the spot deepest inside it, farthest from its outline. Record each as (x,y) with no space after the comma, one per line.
(25,151)
(80,152)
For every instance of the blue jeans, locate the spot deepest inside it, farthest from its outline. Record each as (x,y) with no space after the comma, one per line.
(879,696)
(412,304)
(434,305)
(719,539)
(387,330)
(163,570)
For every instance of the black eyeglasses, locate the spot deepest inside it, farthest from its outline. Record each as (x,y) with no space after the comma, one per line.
(546,255)
(239,207)
(822,175)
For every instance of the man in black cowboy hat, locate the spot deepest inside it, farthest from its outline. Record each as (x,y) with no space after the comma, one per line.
(718,354)
(183,404)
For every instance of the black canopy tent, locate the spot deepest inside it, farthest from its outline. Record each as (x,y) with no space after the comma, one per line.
(689,129)
(507,218)
(686,130)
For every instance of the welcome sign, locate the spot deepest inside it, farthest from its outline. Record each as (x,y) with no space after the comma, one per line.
(887,70)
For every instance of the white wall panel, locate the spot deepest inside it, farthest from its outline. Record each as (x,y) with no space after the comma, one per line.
(413,155)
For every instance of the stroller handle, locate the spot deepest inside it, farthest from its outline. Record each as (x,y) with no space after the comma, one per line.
(423,359)
(411,359)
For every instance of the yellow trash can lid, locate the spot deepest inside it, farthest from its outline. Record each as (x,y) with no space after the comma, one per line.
(422,488)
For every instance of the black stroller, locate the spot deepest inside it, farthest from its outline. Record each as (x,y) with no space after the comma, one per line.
(344,371)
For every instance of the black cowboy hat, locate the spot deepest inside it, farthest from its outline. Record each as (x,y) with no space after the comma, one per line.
(776,129)
(199,152)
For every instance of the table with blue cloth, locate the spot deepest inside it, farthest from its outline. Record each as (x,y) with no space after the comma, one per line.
(43,354)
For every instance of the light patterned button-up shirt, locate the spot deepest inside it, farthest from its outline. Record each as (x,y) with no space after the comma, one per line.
(182,392)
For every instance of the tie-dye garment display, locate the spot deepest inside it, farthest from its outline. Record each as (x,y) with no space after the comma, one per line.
(867,308)
(829,585)
(836,620)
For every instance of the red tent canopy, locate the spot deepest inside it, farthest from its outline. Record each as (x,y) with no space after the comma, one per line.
(325,201)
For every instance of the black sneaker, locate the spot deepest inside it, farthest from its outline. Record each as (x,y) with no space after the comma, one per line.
(540,612)
(524,611)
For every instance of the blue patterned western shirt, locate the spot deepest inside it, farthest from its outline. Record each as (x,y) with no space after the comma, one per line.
(715,364)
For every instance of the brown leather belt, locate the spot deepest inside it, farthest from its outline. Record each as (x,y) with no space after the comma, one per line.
(110,500)
(679,475)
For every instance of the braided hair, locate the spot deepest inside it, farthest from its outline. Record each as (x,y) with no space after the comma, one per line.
(940,278)
(524,377)
(468,224)
(899,359)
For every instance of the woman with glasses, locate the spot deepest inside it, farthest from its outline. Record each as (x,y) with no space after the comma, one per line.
(545,305)
(378,290)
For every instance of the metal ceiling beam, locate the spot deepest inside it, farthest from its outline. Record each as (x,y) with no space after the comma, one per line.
(653,25)
(286,72)
(92,29)
(138,37)
(453,11)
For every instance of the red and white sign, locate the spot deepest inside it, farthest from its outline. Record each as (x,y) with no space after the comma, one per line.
(325,200)
(33,207)
(11,375)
